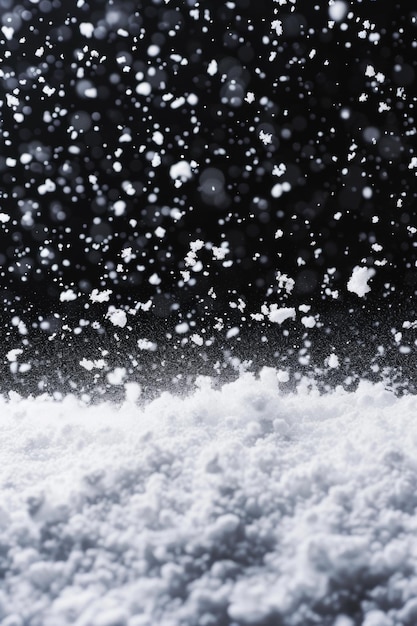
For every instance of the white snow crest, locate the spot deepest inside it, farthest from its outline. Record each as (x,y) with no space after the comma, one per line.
(236,504)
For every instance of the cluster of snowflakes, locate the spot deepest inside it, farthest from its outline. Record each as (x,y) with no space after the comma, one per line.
(131,151)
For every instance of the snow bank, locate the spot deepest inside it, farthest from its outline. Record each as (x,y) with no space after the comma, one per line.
(242,506)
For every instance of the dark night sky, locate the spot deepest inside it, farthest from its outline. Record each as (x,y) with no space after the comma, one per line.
(100,101)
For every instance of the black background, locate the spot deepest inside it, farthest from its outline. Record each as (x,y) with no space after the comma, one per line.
(322,130)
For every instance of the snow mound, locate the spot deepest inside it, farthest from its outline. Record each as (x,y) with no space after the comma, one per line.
(242,505)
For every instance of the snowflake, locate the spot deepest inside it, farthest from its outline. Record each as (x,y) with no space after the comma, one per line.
(266,138)
(277,26)
(279,170)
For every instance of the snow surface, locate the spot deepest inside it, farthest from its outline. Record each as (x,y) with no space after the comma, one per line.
(244,505)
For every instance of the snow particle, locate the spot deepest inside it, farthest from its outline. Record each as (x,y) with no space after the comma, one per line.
(358,282)
(338,10)
(117,317)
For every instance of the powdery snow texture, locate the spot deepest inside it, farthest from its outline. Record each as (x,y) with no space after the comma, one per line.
(240,506)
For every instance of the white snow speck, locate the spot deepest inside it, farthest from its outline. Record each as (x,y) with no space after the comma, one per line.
(158,138)
(89,364)
(232,332)
(333,361)
(68,295)
(86,29)
(266,138)
(116,376)
(8,32)
(212,68)
(155,279)
(145,344)
(156,160)
(100,296)
(177,103)
(220,252)
(182,328)
(11,100)
(47,187)
(117,317)
(153,50)
(383,106)
(119,207)
(197,339)
(125,138)
(90,92)
(279,188)
(278,315)
(160,232)
(285,282)
(144,89)
(13,354)
(279,170)
(309,321)
(337,10)
(181,170)
(276,25)
(358,282)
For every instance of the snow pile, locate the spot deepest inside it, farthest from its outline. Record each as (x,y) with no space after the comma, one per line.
(244,505)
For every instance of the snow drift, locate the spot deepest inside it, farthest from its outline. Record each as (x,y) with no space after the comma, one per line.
(242,505)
